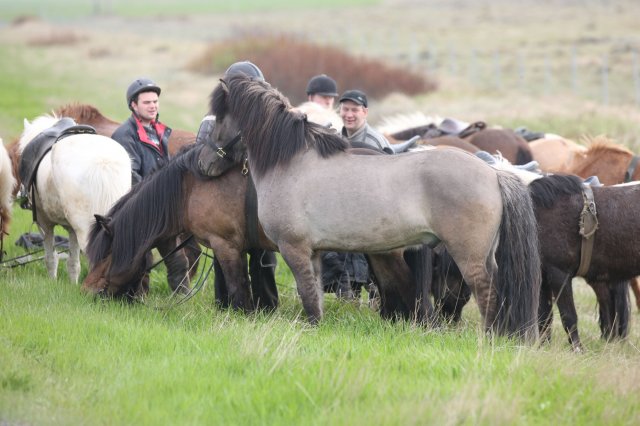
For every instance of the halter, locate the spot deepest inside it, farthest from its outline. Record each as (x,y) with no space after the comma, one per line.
(221,150)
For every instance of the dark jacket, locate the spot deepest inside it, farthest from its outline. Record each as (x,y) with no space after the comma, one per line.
(145,155)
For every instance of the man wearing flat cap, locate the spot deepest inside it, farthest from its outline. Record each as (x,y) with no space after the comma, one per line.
(354,111)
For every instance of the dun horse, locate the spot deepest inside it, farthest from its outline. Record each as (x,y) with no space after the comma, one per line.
(483,216)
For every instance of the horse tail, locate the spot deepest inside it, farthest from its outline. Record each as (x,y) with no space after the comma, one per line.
(519,274)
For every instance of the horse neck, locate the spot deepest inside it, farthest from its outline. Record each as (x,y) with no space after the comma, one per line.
(609,165)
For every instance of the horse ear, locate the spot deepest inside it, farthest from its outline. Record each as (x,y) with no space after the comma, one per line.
(225,86)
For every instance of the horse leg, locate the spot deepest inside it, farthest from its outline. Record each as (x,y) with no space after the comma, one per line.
(220,285)
(50,254)
(398,290)
(73,261)
(635,287)
(234,279)
(481,283)
(305,266)
(192,251)
(177,265)
(262,266)
(563,293)
(545,309)
(613,307)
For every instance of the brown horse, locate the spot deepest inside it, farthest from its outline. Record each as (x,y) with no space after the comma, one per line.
(174,200)
(558,201)
(506,142)
(613,164)
(90,115)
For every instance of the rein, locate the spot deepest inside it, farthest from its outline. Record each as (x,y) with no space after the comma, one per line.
(588,227)
(175,249)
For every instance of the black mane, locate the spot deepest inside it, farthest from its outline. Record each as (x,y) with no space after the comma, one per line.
(145,213)
(272,132)
(545,191)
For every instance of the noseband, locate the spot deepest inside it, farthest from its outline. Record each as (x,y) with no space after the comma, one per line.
(221,150)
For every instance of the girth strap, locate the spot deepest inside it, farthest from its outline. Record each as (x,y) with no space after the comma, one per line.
(251,214)
(588,227)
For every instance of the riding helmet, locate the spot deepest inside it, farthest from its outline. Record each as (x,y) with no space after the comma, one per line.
(244,67)
(141,85)
(322,85)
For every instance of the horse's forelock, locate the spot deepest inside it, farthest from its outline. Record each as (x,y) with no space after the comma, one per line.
(218,99)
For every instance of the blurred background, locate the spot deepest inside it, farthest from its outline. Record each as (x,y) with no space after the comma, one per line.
(564,66)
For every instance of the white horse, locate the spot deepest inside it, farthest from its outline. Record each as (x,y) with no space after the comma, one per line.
(7,185)
(318,114)
(82,175)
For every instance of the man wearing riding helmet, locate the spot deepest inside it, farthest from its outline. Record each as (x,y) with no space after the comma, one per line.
(322,90)
(142,135)
(146,141)
(262,263)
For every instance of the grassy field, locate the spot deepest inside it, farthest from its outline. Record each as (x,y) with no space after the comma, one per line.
(68,359)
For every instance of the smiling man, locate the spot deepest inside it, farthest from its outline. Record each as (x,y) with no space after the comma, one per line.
(354,111)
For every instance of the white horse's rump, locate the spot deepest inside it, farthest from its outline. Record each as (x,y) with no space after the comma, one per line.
(82,175)
(7,185)
(318,114)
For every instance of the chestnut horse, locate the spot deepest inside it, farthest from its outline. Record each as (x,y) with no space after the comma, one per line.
(556,154)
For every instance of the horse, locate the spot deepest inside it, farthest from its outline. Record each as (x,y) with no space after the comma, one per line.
(556,154)
(506,142)
(321,115)
(559,204)
(91,116)
(289,157)
(82,174)
(174,200)
(613,164)
(7,186)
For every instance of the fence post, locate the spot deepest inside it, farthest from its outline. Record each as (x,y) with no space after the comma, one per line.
(497,70)
(574,70)
(636,76)
(605,79)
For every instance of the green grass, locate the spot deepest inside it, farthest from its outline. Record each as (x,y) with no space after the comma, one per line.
(69,359)
(66,9)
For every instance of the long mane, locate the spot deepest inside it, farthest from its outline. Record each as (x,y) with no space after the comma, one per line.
(151,209)
(547,190)
(274,134)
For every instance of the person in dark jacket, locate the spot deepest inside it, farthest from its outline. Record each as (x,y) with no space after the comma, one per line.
(146,139)
(262,263)
(143,136)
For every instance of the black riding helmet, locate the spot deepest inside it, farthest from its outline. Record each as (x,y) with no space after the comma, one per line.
(244,67)
(322,85)
(141,85)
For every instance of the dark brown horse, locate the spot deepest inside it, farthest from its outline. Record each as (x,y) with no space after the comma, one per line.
(174,200)
(613,164)
(559,203)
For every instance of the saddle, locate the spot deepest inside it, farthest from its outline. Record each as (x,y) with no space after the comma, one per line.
(454,127)
(35,151)
(528,135)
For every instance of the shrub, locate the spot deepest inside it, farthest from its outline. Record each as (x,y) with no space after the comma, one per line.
(288,64)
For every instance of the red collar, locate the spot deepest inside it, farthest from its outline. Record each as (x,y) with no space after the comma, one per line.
(142,133)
